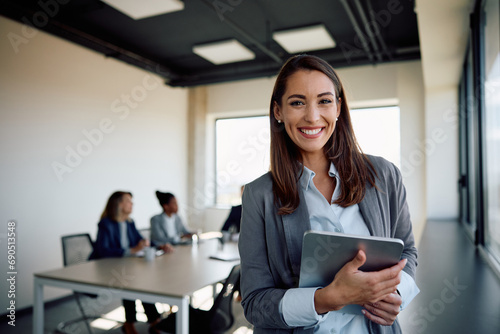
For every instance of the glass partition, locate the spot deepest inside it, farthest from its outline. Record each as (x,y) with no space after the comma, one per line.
(492,124)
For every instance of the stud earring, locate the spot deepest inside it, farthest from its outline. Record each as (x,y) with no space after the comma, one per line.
(279,121)
(336,119)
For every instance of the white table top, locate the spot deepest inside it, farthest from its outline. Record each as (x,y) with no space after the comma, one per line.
(177,274)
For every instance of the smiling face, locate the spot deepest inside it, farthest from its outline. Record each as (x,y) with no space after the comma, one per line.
(309,108)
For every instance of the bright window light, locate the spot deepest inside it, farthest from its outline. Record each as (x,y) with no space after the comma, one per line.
(104,324)
(145,8)
(377,131)
(118,314)
(305,39)
(243,330)
(241,155)
(242,147)
(224,52)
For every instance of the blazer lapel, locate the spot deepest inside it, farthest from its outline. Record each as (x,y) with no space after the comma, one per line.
(294,226)
(370,210)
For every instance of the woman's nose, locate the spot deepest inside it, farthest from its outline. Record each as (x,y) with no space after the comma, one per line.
(311,113)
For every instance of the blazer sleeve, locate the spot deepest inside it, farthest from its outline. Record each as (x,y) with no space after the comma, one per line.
(261,296)
(158,235)
(108,241)
(401,222)
(180,227)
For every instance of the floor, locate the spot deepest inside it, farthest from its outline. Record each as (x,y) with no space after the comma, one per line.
(66,309)
(459,293)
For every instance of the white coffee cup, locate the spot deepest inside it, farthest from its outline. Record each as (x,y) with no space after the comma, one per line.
(149,253)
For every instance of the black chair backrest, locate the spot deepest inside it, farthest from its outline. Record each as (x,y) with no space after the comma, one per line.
(221,313)
(76,248)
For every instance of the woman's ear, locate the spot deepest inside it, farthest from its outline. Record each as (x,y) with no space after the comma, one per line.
(339,105)
(277,111)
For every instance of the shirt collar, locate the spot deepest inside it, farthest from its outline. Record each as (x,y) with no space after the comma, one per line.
(307,176)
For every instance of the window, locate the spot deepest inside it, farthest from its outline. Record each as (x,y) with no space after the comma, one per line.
(378,132)
(468,143)
(242,147)
(492,124)
(242,155)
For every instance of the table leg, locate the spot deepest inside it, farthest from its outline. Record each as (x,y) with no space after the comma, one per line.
(182,317)
(38,308)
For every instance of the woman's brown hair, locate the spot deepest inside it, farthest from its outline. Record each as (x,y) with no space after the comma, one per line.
(112,209)
(354,168)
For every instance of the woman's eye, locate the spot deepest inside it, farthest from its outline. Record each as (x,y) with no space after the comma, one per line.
(297,103)
(325,101)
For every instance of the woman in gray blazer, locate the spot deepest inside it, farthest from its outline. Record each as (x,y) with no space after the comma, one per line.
(319,179)
(167,228)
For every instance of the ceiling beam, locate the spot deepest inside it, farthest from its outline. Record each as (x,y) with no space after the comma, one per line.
(60,29)
(247,36)
(357,29)
(369,33)
(271,69)
(379,32)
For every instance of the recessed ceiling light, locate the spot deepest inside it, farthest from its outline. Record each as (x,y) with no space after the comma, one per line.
(145,8)
(304,39)
(224,52)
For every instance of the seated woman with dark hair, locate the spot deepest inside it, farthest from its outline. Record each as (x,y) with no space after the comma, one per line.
(167,228)
(117,236)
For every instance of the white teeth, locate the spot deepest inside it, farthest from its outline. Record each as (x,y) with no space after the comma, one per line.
(310,132)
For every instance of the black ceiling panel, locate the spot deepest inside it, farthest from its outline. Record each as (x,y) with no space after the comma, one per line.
(376,31)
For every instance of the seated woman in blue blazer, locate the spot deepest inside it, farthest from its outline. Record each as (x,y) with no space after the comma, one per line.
(117,236)
(320,180)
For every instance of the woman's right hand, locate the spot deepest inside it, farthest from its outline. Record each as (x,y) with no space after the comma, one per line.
(353,286)
(167,248)
(140,246)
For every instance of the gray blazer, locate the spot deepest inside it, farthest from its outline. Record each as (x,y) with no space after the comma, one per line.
(159,235)
(270,245)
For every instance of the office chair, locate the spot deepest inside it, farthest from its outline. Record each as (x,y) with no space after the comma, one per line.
(218,319)
(76,249)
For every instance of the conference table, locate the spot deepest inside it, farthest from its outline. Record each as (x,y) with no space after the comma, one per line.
(170,278)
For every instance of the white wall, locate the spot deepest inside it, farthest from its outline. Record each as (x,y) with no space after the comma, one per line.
(400,83)
(442,153)
(411,97)
(444,34)
(51,92)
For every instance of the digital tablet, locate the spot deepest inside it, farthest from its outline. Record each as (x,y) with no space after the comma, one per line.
(325,253)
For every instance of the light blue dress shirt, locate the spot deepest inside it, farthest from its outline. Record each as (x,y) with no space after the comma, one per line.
(297,305)
(169,224)
(124,238)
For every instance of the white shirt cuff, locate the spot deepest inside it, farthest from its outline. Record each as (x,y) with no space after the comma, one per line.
(297,308)
(408,289)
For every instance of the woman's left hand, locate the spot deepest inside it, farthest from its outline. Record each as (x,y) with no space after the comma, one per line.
(385,311)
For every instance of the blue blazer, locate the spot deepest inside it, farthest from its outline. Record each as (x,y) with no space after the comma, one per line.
(108,243)
(270,245)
